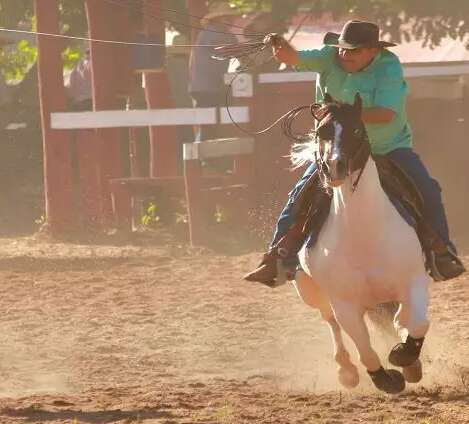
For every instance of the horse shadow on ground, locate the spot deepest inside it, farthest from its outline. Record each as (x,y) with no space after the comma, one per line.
(35,415)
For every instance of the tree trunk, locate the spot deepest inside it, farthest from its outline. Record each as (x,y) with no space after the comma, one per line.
(58,187)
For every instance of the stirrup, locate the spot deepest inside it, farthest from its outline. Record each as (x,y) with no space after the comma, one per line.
(284,274)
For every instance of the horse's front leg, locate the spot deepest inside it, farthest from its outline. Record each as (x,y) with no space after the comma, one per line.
(412,316)
(352,321)
(348,372)
(312,295)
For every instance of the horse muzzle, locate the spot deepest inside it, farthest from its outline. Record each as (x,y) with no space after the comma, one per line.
(337,171)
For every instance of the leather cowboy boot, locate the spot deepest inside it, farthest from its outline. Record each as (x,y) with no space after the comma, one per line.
(274,270)
(441,262)
(310,208)
(445,266)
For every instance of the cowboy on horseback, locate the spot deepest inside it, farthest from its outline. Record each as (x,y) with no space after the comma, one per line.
(357,61)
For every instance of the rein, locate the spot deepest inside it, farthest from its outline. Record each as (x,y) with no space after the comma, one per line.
(364,146)
(362,169)
(364,149)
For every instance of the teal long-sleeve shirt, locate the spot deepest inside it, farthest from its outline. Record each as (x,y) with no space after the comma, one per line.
(380,84)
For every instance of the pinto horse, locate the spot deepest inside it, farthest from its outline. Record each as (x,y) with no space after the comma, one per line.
(366,253)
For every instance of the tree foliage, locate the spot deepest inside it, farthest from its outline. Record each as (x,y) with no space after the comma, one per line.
(425,20)
(19,14)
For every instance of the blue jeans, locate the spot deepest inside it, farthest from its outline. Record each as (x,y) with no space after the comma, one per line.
(411,163)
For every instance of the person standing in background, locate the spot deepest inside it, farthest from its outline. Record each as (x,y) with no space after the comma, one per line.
(177,63)
(79,87)
(206,75)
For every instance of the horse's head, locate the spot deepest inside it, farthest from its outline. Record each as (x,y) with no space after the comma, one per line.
(343,144)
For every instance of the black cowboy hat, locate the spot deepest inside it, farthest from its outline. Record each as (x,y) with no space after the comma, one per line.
(356,34)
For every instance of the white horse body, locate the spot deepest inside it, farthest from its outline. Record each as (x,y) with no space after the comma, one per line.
(366,253)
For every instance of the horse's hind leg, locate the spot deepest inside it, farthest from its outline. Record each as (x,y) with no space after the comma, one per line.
(312,295)
(352,321)
(413,316)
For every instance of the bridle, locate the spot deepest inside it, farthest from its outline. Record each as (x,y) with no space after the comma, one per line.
(356,162)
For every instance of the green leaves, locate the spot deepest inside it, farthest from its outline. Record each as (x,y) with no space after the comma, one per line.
(15,62)
(150,218)
(71,57)
(250,5)
(19,14)
(426,20)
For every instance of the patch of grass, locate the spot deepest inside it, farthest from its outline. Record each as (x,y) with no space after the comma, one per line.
(225,414)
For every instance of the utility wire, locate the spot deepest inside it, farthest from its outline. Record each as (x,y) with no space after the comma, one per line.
(178,12)
(129,43)
(98,40)
(162,18)
(287,118)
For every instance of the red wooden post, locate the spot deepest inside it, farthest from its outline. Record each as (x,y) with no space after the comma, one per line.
(58,187)
(122,204)
(196,204)
(123,31)
(89,166)
(106,88)
(163,140)
(134,145)
(243,165)
(135,170)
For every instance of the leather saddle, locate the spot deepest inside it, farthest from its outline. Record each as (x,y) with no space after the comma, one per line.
(312,204)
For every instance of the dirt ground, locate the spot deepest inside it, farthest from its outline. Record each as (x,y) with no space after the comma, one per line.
(148,332)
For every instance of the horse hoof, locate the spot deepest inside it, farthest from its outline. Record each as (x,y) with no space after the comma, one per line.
(388,381)
(405,354)
(348,377)
(413,373)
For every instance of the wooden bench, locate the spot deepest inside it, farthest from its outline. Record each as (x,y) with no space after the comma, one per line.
(125,190)
(201,191)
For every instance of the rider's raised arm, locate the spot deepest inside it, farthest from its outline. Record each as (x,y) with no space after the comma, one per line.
(315,60)
(284,52)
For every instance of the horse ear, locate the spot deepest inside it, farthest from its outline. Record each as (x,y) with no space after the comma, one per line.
(358,103)
(328,98)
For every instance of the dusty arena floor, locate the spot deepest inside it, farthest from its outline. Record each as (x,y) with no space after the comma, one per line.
(160,333)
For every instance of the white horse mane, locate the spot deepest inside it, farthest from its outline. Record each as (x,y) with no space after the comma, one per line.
(304,153)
